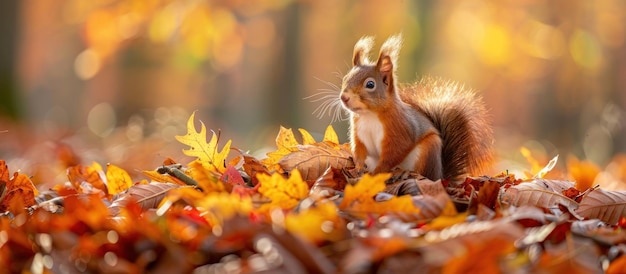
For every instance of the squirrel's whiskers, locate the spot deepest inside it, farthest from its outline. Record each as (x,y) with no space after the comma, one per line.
(330,102)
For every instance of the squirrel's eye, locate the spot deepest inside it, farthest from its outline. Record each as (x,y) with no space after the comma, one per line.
(370,84)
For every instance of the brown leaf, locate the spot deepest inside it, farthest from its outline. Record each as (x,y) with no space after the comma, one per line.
(332,179)
(541,193)
(147,196)
(607,206)
(313,160)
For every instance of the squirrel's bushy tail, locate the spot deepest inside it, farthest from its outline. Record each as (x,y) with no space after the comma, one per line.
(462,120)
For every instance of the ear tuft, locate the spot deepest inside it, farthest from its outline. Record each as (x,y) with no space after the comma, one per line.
(391,48)
(361,51)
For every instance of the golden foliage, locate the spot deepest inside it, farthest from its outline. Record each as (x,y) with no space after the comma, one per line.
(206,153)
(283,193)
(118,179)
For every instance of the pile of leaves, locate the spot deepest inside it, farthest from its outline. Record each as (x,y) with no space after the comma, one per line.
(302,209)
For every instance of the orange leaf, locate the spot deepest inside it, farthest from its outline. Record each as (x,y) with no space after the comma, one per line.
(90,174)
(20,193)
(118,179)
(583,173)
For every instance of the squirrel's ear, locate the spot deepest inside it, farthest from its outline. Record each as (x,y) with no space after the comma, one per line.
(361,50)
(388,58)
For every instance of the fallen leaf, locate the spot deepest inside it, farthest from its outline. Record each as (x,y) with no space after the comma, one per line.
(283,193)
(317,223)
(118,179)
(90,174)
(207,153)
(330,135)
(313,160)
(607,206)
(147,196)
(207,179)
(286,143)
(540,193)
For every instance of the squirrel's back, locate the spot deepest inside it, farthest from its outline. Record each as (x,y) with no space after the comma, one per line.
(462,120)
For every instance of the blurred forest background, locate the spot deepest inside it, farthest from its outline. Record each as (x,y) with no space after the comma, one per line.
(117,79)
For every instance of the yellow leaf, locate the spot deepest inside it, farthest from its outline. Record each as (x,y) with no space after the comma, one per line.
(307,139)
(207,153)
(359,198)
(207,179)
(286,143)
(118,179)
(444,221)
(162,178)
(317,223)
(364,190)
(330,135)
(221,206)
(283,193)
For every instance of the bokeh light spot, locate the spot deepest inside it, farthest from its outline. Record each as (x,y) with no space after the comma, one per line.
(101,119)
(87,64)
(585,49)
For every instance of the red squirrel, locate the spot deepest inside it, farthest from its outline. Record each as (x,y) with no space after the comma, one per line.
(434,127)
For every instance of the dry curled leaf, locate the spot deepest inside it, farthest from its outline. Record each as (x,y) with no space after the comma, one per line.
(607,206)
(540,193)
(79,174)
(313,160)
(147,196)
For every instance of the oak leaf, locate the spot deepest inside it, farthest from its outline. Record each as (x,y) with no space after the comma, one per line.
(283,193)
(207,153)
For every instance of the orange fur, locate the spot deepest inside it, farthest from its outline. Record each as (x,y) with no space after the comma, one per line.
(441,124)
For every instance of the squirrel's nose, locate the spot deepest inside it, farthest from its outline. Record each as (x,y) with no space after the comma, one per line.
(345,98)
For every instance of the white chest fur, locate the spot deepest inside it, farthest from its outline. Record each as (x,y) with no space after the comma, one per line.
(370,131)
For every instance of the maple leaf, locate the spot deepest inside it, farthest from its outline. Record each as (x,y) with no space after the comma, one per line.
(286,143)
(207,153)
(283,193)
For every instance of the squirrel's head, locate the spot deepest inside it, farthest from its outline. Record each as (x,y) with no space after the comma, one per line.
(371,86)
